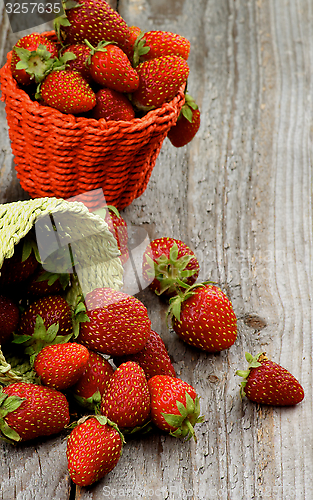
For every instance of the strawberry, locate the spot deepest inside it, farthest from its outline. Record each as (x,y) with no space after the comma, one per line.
(118,227)
(187,125)
(160,80)
(134,42)
(203,317)
(32,57)
(266,382)
(164,43)
(93,382)
(166,263)
(44,283)
(112,105)
(28,411)
(153,358)
(67,91)
(175,406)
(93,20)
(93,449)
(118,323)
(127,399)
(110,67)
(16,269)
(61,365)
(80,64)
(9,318)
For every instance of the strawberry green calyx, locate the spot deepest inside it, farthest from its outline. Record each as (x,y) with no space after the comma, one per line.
(7,405)
(253,363)
(185,422)
(176,302)
(187,108)
(92,403)
(15,369)
(36,63)
(140,49)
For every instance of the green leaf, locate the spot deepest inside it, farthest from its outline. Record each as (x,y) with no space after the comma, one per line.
(190,405)
(8,432)
(182,409)
(173,420)
(20,339)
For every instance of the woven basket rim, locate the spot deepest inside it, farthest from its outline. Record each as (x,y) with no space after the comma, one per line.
(46,111)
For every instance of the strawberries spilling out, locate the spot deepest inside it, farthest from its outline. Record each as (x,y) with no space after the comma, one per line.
(96,66)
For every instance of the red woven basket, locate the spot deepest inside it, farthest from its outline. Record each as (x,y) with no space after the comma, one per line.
(62,155)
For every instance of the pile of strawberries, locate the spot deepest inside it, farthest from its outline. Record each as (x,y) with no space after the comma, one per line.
(94,367)
(97,66)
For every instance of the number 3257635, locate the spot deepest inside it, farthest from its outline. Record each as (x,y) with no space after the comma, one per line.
(32,7)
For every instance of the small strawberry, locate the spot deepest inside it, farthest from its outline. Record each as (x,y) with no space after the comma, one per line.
(93,449)
(203,317)
(166,263)
(134,45)
(153,358)
(187,125)
(61,365)
(16,269)
(93,382)
(111,68)
(67,91)
(9,318)
(175,406)
(80,64)
(127,399)
(118,227)
(28,411)
(164,43)
(160,80)
(266,382)
(118,323)
(93,20)
(32,57)
(112,105)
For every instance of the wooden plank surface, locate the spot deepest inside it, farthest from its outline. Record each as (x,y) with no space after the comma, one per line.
(241,196)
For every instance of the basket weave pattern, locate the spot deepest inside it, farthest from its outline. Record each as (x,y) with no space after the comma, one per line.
(62,155)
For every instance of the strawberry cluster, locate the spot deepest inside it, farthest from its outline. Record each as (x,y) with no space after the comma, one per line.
(95,65)
(93,365)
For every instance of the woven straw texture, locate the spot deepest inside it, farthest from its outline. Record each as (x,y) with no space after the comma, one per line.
(62,155)
(96,252)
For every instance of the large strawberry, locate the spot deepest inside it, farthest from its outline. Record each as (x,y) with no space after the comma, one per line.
(112,105)
(175,406)
(160,80)
(118,323)
(93,449)
(166,263)
(32,58)
(28,411)
(67,91)
(187,125)
(61,365)
(93,20)
(153,358)
(9,318)
(266,382)
(127,399)
(110,67)
(203,317)
(93,382)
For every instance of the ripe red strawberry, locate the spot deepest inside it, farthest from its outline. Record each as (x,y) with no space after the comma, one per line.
(111,68)
(203,317)
(93,382)
(160,80)
(127,399)
(53,309)
(28,411)
(175,406)
(61,365)
(20,266)
(118,323)
(266,382)
(9,318)
(153,358)
(67,91)
(32,57)
(95,21)
(80,64)
(164,43)
(112,105)
(187,125)
(166,263)
(93,449)
(118,227)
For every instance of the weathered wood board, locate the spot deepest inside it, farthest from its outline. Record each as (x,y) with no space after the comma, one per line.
(240,194)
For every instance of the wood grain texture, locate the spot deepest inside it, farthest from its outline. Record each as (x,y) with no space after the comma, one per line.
(240,194)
